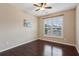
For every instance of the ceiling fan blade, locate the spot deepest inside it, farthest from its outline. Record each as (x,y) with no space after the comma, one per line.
(48,7)
(37,9)
(36,5)
(41,4)
(45,4)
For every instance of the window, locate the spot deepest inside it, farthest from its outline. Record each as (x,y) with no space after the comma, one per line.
(53,27)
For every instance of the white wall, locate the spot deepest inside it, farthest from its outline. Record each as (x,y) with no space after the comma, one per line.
(77,27)
(12,31)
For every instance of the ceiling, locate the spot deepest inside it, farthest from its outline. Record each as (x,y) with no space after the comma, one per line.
(56,7)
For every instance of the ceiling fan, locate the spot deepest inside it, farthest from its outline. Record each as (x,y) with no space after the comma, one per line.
(42,6)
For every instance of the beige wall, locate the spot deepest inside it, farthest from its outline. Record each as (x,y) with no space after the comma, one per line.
(12,31)
(77,28)
(69,28)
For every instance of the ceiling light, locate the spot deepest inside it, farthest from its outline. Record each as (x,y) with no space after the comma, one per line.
(42,8)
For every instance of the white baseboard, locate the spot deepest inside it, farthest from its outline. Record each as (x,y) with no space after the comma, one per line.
(17,45)
(77,49)
(59,42)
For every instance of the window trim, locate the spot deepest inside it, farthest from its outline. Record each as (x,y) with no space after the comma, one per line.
(62,36)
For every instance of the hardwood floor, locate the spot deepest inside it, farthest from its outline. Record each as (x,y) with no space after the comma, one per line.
(41,48)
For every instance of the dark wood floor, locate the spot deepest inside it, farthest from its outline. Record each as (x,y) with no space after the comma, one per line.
(41,48)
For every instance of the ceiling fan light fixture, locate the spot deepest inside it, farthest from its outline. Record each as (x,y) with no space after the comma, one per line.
(42,8)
